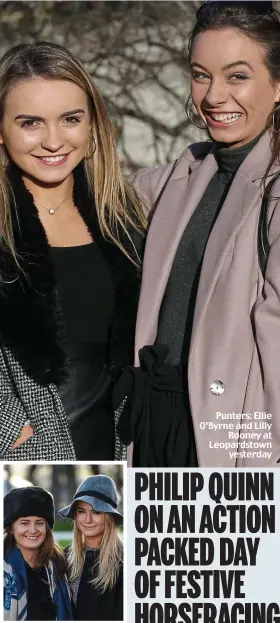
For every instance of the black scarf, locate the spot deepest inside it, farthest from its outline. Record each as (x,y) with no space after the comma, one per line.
(31,323)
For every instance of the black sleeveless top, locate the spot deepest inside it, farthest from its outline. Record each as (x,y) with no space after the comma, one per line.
(87,301)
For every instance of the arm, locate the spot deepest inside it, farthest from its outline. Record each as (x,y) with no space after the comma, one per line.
(14,429)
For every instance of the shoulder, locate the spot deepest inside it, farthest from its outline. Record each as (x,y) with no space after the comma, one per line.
(8,569)
(149,182)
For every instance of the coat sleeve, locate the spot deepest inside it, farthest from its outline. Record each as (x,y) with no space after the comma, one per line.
(267,333)
(13,415)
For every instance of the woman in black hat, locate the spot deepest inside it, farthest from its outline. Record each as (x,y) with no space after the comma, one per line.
(95,557)
(35,585)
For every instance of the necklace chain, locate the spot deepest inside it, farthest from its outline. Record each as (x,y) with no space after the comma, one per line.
(54,210)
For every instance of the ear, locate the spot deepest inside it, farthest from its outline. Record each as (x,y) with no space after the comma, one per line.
(277,94)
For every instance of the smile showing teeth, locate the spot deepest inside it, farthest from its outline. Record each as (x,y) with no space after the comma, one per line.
(225,118)
(32,538)
(52,158)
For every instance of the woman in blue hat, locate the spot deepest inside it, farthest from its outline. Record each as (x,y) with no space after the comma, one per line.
(95,558)
(35,584)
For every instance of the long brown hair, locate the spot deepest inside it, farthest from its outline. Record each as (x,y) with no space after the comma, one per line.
(118,208)
(110,557)
(264,30)
(48,550)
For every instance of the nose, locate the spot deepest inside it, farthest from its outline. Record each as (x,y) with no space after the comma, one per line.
(32,529)
(88,517)
(52,140)
(217,94)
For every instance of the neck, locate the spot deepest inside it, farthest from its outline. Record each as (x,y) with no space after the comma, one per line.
(48,194)
(30,556)
(94,541)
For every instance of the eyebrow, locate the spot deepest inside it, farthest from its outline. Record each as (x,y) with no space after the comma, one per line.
(29,520)
(64,114)
(226,66)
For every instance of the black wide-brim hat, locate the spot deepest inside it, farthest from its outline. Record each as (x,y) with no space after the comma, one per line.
(98,491)
(28,501)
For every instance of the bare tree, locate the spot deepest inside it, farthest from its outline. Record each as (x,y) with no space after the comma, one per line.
(136,52)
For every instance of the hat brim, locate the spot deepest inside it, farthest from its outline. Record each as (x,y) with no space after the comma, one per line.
(98,505)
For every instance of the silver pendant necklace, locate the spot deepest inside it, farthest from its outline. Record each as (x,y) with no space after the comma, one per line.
(54,210)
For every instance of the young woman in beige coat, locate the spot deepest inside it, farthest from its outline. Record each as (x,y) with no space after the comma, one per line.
(207,391)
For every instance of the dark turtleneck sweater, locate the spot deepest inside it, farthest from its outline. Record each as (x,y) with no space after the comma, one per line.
(177,310)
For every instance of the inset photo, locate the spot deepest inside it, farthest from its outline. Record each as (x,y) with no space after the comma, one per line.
(63,542)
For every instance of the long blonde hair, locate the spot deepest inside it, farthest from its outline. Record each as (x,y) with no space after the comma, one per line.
(110,557)
(105,180)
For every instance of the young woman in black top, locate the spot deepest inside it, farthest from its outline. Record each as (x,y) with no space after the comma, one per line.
(35,585)
(68,259)
(95,558)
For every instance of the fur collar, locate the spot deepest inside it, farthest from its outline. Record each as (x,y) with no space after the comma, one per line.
(31,323)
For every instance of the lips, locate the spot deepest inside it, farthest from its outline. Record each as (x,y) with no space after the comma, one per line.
(52,160)
(222,120)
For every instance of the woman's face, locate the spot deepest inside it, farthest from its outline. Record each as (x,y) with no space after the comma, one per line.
(90,523)
(29,532)
(231,87)
(45,128)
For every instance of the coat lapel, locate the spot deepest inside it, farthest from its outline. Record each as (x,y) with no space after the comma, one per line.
(176,205)
(231,219)
(29,314)
(243,195)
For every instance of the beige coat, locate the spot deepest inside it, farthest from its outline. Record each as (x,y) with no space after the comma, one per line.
(236,329)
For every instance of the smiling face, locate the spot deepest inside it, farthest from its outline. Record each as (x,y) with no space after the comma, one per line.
(45,128)
(29,533)
(231,86)
(90,523)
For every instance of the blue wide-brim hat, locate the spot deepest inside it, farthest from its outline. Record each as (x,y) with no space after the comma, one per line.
(98,491)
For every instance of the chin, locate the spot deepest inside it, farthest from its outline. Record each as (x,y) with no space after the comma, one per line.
(44,174)
(34,545)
